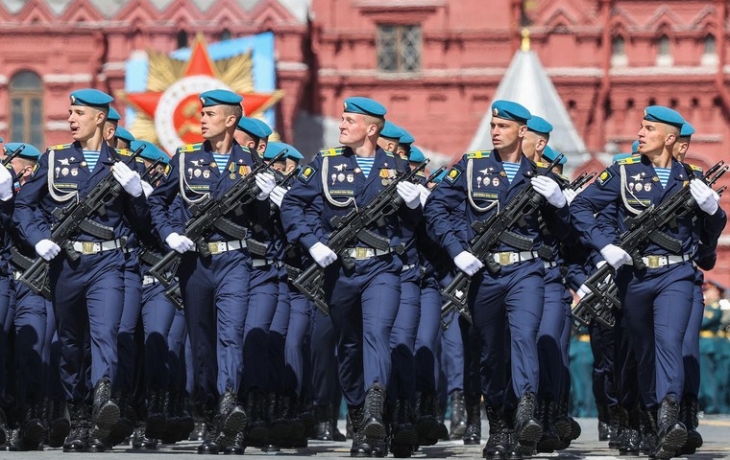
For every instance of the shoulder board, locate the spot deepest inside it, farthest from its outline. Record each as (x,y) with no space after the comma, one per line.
(332,152)
(390,154)
(190,147)
(124,152)
(60,147)
(629,161)
(541,164)
(695,168)
(421,173)
(478,154)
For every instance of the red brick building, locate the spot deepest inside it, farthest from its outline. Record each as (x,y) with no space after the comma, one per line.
(436,64)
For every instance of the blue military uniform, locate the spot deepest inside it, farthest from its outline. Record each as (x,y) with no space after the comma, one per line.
(88,293)
(511,301)
(659,298)
(363,300)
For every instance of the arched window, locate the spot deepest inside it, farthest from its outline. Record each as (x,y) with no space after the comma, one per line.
(182,39)
(664,52)
(226,35)
(26,108)
(618,52)
(664,46)
(710,45)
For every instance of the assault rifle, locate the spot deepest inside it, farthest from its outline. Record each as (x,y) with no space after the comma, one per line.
(9,157)
(210,214)
(354,226)
(489,234)
(642,229)
(75,217)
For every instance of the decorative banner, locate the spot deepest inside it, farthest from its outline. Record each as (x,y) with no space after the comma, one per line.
(162,90)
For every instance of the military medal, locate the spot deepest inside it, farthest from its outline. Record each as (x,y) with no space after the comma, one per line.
(479,182)
(213,165)
(58,171)
(350,178)
(341,177)
(495,182)
(64,171)
(647,188)
(334,178)
(83,164)
(486,182)
(75,172)
(197,173)
(384,181)
(655,179)
(357,170)
(206,173)
(232,176)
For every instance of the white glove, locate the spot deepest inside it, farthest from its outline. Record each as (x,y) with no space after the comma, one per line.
(322,254)
(128,179)
(550,190)
(179,243)
(266,184)
(6,184)
(147,188)
(467,263)
(277,195)
(705,197)
(410,194)
(582,291)
(47,249)
(424,194)
(569,195)
(615,256)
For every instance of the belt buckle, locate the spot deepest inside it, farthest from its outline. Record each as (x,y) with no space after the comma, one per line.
(652,261)
(214,247)
(505,258)
(361,253)
(87,247)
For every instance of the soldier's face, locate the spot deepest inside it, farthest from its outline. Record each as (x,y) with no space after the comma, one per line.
(213,122)
(505,133)
(530,144)
(353,129)
(653,137)
(83,121)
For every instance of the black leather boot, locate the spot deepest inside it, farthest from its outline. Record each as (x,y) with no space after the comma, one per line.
(32,430)
(256,430)
(59,423)
(618,417)
(337,435)
(648,432)
(210,444)
(279,426)
(425,417)
(322,414)
(403,433)
(156,424)
(140,440)
(458,415)
(630,440)
(360,448)
(79,433)
(689,414)
(527,430)
(497,447)
(671,433)
(473,431)
(549,441)
(231,417)
(603,422)
(372,423)
(105,412)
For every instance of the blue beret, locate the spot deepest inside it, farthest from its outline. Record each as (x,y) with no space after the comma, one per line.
(550,154)
(687,130)
(254,127)
(539,125)
(635,146)
(122,133)
(91,97)
(220,97)
(621,156)
(294,154)
(406,138)
(29,152)
(275,148)
(364,106)
(509,110)
(391,131)
(416,155)
(149,151)
(661,114)
(113,115)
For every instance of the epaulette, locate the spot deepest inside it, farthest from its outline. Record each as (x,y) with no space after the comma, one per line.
(124,152)
(60,147)
(421,173)
(695,168)
(190,147)
(630,161)
(332,152)
(478,154)
(541,164)
(390,154)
